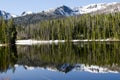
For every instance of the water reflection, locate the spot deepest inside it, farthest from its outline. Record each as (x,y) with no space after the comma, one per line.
(100,54)
(8,57)
(93,57)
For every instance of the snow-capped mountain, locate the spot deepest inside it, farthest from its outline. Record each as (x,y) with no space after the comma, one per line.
(26,13)
(67,11)
(93,69)
(92,8)
(110,8)
(89,8)
(62,10)
(77,67)
(14,16)
(82,67)
(5,15)
(100,8)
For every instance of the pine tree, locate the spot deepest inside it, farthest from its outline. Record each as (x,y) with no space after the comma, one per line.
(11,30)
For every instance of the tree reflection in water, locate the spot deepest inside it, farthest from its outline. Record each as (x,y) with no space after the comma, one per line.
(62,56)
(93,53)
(8,57)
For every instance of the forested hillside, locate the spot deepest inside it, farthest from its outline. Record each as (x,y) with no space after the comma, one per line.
(100,26)
(7,32)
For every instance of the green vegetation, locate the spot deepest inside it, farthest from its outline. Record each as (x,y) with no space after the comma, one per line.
(100,26)
(7,32)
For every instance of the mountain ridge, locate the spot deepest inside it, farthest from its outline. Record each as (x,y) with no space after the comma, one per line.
(68,11)
(5,15)
(28,17)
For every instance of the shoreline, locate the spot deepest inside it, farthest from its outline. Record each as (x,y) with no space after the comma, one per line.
(3,45)
(32,42)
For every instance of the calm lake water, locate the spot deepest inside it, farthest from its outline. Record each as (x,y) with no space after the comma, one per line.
(62,61)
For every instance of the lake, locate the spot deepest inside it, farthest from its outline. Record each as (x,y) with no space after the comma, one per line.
(62,61)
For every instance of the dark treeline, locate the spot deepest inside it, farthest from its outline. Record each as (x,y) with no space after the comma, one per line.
(7,31)
(100,26)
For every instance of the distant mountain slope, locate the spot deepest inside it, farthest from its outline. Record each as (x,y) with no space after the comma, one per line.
(34,18)
(26,13)
(64,11)
(91,8)
(5,15)
(99,8)
(110,8)
(76,67)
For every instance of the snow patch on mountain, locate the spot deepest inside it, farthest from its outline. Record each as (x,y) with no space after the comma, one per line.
(62,10)
(89,8)
(26,13)
(5,15)
(76,67)
(68,11)
(95,7)
(93,69)
(13,15)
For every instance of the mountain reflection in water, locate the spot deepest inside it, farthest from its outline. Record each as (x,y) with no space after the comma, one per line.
(93,57)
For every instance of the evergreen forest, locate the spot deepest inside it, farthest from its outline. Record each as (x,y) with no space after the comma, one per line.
(8,32)
(87,26)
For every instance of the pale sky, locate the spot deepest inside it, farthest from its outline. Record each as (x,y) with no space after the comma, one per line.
(18,6)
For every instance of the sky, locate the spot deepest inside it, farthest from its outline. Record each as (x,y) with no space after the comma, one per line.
(18,6)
